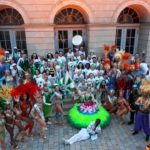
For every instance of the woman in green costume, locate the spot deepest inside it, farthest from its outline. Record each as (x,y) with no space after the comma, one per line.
(89,110)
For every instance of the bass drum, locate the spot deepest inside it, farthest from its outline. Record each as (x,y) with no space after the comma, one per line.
(77,40)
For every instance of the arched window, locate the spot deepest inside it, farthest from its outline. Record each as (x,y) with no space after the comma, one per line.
(69,16)
(128,15)
(10,16)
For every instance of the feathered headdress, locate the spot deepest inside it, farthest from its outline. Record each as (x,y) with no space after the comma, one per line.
(5,93)
(114,47)
(145,87)
(107,63)
(106,49)
(5,97)
(119,53)
(29,88)
(125,57)
(2,53)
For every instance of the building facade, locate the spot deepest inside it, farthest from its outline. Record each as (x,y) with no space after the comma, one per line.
(44,26)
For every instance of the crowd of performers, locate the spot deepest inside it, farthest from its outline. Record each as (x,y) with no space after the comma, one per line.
(32,87)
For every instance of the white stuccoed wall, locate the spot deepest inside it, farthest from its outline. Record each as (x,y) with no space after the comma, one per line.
(101,15)
(144,41)
(40,40)
(98,36)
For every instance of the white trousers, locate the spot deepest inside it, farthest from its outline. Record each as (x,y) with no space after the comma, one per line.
(81,135)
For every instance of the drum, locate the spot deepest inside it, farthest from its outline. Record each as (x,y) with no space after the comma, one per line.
(77,40)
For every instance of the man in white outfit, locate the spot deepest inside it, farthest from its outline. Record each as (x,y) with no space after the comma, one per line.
(85,133)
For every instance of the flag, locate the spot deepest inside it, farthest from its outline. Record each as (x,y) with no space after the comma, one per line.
(66,84)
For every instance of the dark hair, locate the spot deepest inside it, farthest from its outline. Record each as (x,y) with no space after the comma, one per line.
(103,86)
(97,122)
(56,53)
(87,65)
(36,57)
(28,96)
(78,66)
(50,54)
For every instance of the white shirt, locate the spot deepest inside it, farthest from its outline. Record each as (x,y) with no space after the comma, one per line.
(94,72)
(144,67)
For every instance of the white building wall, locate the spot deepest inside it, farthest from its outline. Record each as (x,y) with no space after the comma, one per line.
(98,36)
(40,40)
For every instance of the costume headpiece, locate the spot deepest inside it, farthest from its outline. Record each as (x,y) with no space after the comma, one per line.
(125,57)
(28,88)
(106,49)
(2,53)
(107,63)
(145,87)
(119,53)
(5,97)
(114,47)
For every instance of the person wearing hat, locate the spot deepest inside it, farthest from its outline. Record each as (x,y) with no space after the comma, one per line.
(36,66)
(23,62)
(94,62)
(16,54)
(8,56)
(16,72)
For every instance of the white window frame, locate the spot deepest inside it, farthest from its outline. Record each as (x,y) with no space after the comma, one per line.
(124,29)
(70,36)
(12,34)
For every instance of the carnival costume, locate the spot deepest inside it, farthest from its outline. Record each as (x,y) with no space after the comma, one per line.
(81,115)
(47,104)
(122,106)
(142,116)
(25,95)
(9,115)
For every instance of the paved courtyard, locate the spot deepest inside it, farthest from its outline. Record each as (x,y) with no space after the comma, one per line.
(114,137)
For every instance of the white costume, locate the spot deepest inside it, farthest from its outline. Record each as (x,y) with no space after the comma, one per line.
(85,133)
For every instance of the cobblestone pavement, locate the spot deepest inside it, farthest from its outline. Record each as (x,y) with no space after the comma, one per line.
(113,137)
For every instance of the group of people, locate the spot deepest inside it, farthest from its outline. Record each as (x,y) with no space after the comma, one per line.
(117,81)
